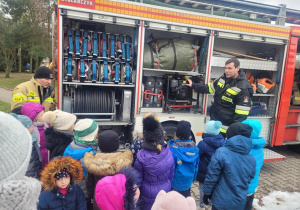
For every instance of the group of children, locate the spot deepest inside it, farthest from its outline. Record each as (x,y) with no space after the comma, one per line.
(88,171)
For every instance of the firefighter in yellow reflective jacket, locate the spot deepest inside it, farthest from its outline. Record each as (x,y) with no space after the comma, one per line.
(37,90)
(232,95)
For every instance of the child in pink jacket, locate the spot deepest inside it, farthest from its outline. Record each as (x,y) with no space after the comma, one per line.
(35,112)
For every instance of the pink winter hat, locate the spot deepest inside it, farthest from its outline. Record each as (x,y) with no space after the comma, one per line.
(31,110)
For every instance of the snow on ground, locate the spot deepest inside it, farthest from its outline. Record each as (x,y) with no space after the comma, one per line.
(278,200)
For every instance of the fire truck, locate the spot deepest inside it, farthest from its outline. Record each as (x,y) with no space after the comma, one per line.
(118,60)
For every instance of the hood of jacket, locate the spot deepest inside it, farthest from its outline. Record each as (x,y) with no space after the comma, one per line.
(73,167)
(256,126)
(239,144)
(187,154)
(154,163)
(106,164)
(55,137)
(213,141)
(77,150)
(31,110)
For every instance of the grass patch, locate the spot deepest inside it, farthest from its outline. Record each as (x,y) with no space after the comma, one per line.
(4,107)
(14,79)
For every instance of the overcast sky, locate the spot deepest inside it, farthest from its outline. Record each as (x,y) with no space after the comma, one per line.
(291,4)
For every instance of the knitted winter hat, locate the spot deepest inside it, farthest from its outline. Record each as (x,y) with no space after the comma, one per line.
(117,192)
(183,131)
(213,127)
(173,201)
(86,130)
(16,190)
(32,110)
(152,129)
(108,141)
(62,173)
(15,149)
(59,119)
(23,119)
(43,72)
(55,166)
(239,128)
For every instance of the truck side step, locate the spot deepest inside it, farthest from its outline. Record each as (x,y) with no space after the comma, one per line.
(270,155)
(292,125)
(291,142)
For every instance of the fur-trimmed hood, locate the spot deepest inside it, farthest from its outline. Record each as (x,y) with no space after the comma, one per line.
(105,164)
(73,166)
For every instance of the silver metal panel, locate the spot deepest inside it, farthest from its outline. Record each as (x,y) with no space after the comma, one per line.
(274,41)
(239,46)
(151,109)
(100,18)
(266,128)
(126,105)
(247,63)
(228,35)
(270,155)
(217,72)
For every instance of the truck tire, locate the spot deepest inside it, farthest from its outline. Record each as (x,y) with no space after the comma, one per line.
(170,128)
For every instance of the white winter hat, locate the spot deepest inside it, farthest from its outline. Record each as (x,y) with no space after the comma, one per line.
(60,120)
(15,149)
(86,130)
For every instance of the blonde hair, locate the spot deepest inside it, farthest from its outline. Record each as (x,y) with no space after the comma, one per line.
(158,147)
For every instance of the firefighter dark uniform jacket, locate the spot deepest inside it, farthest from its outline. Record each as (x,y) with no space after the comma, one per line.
(232,99)
(32,91)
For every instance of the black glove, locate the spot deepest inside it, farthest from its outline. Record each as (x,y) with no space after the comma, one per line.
(206,199)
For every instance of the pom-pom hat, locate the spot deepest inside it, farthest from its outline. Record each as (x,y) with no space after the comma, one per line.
(60,120)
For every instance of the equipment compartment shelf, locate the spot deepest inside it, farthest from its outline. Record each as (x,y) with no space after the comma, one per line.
(110,84)
(259,117)
(112,123)
(247,63)
(174,71)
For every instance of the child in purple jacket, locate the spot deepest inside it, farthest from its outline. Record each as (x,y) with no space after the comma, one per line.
(154,163)
(35,112)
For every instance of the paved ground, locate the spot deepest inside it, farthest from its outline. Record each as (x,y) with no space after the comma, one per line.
(275,175)
(5,95)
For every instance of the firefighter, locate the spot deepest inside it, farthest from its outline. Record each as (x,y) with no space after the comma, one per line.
(232,95)
(37,90)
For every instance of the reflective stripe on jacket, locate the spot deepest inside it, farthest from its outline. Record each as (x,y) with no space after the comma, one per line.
(232,99)
(28,92)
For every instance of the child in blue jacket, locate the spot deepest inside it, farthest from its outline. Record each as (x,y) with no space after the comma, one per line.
(212,140)
(230,170)
(186,158)
(60,180)
(257,152)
